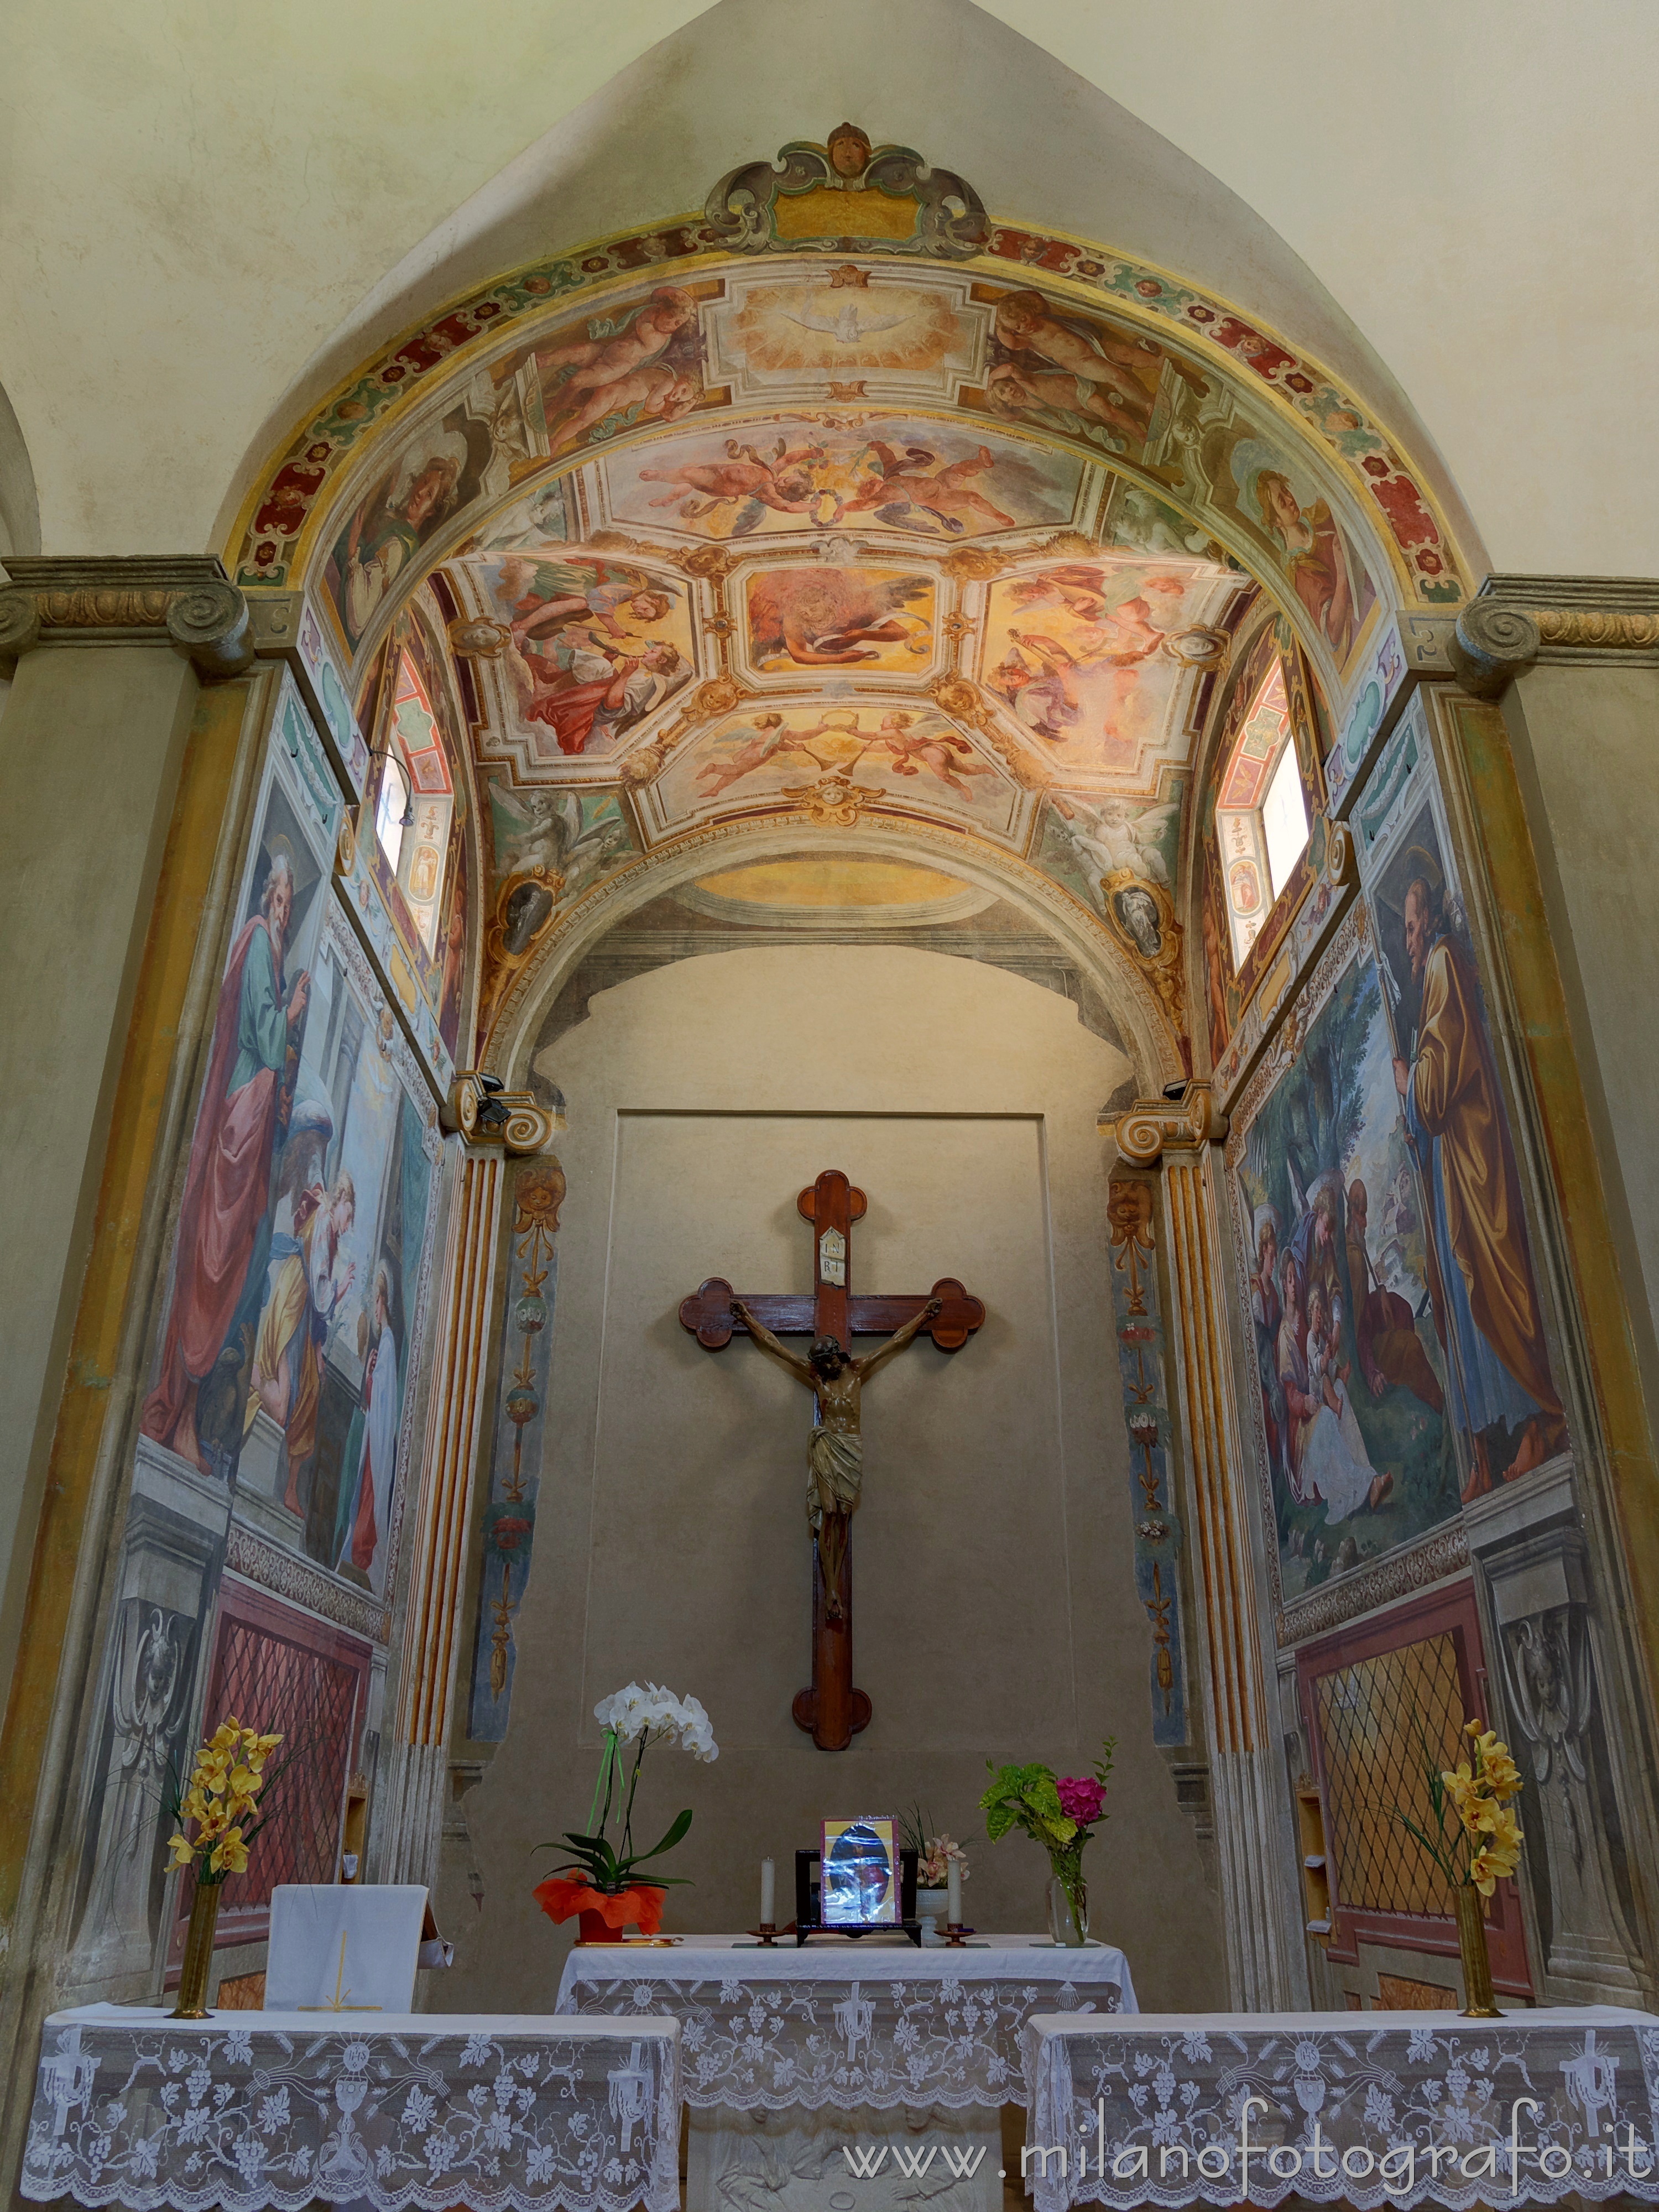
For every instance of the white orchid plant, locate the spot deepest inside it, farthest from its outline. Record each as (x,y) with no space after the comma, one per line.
(638,1715)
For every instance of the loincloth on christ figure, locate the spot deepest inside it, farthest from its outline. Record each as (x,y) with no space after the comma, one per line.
(834,1463)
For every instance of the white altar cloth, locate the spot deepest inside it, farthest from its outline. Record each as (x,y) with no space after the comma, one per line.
(250,2110)
(875,2023)
(1380,2108)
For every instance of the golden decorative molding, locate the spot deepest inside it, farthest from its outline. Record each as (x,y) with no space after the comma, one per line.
(1245,1777)
(1578,626)
(91,609)
(1153,1125)
(185,601)
(965,702)
(1517,620)
(834,802)
(1141,916)
(454,1410)
(479,1111)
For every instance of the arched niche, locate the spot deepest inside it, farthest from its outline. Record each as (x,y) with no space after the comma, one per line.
(1149,1037)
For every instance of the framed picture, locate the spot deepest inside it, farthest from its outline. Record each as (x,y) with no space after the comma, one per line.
(858,1872)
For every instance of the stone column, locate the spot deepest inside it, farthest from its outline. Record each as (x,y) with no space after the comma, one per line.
(1531,1551)
(107,658)
(1562,805)
(171,1553)
(409,1815)
(1574,664)
(1256,1851)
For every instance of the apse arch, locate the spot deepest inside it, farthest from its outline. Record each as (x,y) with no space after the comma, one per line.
(733,528)
(1150,1037)
(1284,435)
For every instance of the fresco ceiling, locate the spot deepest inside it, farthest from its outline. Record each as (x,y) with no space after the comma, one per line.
(874,537)
(846,615)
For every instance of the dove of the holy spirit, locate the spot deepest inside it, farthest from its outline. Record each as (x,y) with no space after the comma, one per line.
(842,322)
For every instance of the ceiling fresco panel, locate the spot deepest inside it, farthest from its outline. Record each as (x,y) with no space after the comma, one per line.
(907,474)
(903,760)
(939,533)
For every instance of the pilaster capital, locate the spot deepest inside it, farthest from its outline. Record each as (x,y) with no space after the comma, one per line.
(480,1111)
(181,600)
(1153,1124)
(1518,620)
(1493,644)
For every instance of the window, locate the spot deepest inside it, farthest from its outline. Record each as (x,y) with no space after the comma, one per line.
(1285,820)
(389,814)
(417,803)
(1262,814)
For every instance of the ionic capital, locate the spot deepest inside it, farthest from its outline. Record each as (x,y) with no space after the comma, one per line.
(486,1115)
(182,600)
(1153,1124)
(1490,644)
(1518,620)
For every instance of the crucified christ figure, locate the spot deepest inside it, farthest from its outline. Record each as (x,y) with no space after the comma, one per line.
(834,1456)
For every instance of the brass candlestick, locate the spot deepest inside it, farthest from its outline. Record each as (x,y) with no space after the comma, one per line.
(767,1933)
(957,1933)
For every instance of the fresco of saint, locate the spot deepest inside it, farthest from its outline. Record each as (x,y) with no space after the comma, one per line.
(256,1039)
(1454,1109)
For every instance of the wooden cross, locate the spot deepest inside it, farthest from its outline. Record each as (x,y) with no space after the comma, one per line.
(832,1710)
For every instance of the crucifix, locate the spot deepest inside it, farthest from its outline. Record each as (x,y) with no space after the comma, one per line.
(832,1710)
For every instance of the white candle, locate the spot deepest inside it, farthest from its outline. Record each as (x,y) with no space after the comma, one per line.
(954,1912)
(768,1892)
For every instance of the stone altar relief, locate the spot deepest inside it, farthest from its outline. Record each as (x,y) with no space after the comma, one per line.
(962,1101)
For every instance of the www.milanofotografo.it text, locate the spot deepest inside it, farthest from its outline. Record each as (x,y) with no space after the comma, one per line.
(1508,2158)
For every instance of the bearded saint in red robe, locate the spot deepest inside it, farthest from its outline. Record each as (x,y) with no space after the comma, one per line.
(227,1184)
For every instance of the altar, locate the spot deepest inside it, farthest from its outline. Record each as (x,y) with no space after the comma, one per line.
(871,2065)
(245,2111)
(1373,2109)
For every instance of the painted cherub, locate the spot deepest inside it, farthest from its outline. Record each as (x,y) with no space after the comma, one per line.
(948,494)
(597,362)
(779,481)
(915,749)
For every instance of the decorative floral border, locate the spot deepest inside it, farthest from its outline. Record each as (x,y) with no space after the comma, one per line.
(303,477)
(1158,1531)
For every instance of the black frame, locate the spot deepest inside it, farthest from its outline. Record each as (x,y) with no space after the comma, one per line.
(808,1923)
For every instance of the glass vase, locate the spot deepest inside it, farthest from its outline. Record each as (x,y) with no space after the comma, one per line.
(1480,2003)
(199,1953)
(1068,1921)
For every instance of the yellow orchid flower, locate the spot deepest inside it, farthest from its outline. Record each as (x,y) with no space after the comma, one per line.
(1461,1787)
(244,1782)
(229,1853)
(225,1736)
(1493,1819)
(1506,1834)
(1500,1773)
(1484,1873)
(182,1849)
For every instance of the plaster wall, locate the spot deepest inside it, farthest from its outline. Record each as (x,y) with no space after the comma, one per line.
(1580,732)
(213,218)
(995,1610)
(90,750)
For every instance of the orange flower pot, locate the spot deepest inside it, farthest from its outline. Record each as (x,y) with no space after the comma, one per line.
(600,1918)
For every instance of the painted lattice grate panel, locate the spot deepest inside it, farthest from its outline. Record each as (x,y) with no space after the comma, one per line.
(1380,1721)
(309,1700)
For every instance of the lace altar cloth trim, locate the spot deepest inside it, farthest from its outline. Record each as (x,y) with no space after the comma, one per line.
(250,2111)
(768,2030)
(1145,2101)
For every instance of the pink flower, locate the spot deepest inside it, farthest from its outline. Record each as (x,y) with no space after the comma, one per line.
(1081,1798)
